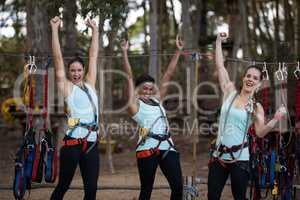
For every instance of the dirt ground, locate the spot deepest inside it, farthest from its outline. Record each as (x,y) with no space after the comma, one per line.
(125,175)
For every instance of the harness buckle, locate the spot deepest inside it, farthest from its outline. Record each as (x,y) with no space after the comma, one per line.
(143,132)
(297,71)
(265,73)
(72,122)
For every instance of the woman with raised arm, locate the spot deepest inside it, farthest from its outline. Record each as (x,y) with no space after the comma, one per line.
(230,155)
(155,146)
(80,142)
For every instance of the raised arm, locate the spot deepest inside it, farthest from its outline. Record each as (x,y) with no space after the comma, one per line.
(63,84)
(91,76)
(262,128)
(163,87)
(224,81)
(132,104)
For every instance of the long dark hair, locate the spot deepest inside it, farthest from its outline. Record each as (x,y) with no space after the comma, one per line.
(255,95)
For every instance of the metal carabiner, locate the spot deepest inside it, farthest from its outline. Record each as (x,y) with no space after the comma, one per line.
(265,73)
(32,67)
(297,71)
(279,73)
(195,56)
(284,71)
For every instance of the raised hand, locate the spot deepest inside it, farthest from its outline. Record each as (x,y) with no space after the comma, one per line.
(55,22)
(222,36)
(179,43)
(124,45)
(91,23)
(280,113)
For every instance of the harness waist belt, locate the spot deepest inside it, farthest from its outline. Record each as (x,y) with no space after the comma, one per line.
(146,153)
(233,149)
(159,137)
(89,127)
(71,142)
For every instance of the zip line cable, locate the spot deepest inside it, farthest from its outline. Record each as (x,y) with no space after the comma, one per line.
(194,53)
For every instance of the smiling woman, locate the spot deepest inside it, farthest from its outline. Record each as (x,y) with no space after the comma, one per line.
(80,142)
(76,70)
(155,146)
(230,154)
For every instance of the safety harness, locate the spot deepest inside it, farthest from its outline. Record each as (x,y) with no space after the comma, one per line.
(25,155)
(221,149)
(159,137)
(75,123)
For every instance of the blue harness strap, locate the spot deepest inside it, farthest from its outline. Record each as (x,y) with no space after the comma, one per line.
(20,181)
(272,168)
(24,165)
(51,157)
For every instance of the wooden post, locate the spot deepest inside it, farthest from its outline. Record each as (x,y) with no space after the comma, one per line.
(195,135)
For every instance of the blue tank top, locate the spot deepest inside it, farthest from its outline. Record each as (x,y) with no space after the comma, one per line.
(153,118)
(80,107)
(235,129)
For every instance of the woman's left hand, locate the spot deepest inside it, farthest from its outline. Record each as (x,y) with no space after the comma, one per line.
(179,43)
(91,23)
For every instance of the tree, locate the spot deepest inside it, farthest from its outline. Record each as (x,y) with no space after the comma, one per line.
(69,40)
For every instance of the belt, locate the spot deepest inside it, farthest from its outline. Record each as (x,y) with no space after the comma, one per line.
(233,149)
(147,153)
(78,141)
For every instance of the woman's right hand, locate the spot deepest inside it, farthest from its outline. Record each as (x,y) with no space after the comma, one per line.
(280,113)
(124,45)
(222,36)
(55,22)
(179,43)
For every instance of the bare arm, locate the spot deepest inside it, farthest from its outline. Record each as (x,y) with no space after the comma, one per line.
(93,53)
(261,128)
(163,87)
(224,81)
(63,84)
(132,104)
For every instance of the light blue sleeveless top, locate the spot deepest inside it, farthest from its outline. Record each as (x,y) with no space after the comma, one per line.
(152,117)
(80,107)
(235,128)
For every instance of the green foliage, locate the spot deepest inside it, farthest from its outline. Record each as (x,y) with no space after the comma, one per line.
(11,64)
(136,28)
(110,9)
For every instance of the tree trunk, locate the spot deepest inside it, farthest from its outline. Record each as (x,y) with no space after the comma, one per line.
(202,38)
(108,98)
(246,45)
(145,23)
(153,65)
(69,40)
(276,32)
(297,38)
(37,44)
(163,37)
(289,28)
(190,44)
(234,34)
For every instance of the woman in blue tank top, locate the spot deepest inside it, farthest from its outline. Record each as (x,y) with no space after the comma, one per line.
(80,143)
(239,110)
(155,146)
